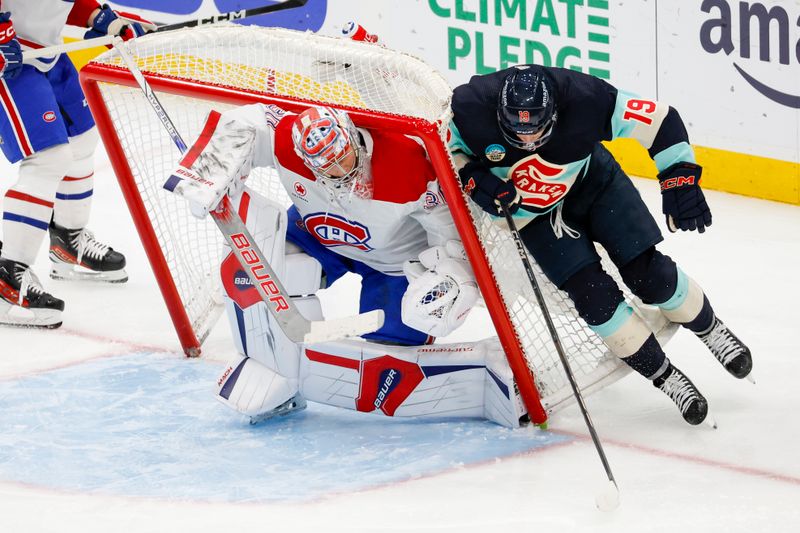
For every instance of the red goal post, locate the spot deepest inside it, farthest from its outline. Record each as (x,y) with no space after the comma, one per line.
(196,70)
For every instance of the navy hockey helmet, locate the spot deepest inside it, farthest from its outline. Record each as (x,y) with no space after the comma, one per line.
(526,106)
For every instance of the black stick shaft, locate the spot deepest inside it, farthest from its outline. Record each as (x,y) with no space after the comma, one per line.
(512,226)
(234,15)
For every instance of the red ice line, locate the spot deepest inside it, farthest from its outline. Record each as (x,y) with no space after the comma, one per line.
(693,459)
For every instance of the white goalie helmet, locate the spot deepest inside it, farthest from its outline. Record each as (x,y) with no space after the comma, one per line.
(329,144)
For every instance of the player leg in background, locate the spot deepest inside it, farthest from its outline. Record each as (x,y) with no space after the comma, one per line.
(34,133)
(74,251)
(606,208)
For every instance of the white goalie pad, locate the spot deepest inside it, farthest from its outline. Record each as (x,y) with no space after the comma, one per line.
(469,380)
(254,390)
(255,332)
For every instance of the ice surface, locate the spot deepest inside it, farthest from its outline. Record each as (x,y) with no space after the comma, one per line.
(106,428)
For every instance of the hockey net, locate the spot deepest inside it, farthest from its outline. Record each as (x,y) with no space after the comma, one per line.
(196,70)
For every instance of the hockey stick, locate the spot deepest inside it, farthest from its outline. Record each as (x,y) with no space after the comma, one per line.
(50,51)
(608,499)
(278,301)
(235,15)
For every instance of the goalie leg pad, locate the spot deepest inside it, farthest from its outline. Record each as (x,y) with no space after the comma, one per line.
(449,380)
(255,332)
(254,390)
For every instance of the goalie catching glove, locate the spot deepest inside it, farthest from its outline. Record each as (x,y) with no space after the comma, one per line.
(215,166)
(441,290)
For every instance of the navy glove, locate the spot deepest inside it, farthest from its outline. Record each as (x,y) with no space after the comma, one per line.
(10,51)
(126,25)
(683,201)
(487,190)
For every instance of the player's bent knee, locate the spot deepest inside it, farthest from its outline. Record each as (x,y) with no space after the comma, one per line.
(685,303)
(650,276)
(303,273)
(595,294)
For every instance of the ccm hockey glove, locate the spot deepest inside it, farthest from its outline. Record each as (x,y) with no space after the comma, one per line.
(10,51)
(487,190)
(682,198)
(126,25)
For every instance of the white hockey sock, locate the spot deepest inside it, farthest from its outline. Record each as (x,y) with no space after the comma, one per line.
(28,204)
(74,197)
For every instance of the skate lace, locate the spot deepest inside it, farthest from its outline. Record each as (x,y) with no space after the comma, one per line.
(677,387)
(87,246)
(721,343)
(28,282)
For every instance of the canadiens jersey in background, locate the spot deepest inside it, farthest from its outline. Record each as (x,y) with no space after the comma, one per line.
(404,214)
(38,23)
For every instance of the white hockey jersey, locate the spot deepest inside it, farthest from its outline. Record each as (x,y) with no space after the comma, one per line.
(405,215)
(38,23)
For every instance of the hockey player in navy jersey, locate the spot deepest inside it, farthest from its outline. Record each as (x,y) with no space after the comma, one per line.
(528,137)
(46,126)
(366,202)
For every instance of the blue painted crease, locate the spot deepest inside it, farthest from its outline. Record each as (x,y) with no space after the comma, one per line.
(146,425)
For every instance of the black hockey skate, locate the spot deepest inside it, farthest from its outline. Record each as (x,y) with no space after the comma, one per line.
(681,390)
(23,301)
(77,255)
(728,349)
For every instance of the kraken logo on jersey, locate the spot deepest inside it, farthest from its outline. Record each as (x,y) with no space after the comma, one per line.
(334,230)
(540,183)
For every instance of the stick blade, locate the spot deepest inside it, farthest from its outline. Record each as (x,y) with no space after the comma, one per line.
(340,328)
(608,499)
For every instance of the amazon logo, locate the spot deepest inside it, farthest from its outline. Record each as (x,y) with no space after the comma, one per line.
(766,30)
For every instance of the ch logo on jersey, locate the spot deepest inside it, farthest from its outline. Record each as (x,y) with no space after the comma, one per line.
(495,152)
(49,116)
(539,182)
(333,230)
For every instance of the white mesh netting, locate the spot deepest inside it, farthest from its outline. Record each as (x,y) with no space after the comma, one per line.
(236,60)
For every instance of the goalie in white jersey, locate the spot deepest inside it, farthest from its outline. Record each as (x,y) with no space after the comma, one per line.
(365,202)
(46,126)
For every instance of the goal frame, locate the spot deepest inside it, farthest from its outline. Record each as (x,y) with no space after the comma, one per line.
(95,73)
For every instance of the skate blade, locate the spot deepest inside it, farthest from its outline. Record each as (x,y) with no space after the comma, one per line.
(20,317)
(296,403)
(70,272)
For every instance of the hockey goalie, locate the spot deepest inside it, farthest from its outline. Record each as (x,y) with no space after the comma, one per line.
(365,202)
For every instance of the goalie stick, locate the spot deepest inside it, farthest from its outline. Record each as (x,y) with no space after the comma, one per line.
(230,16)
(608,499)
(278,302)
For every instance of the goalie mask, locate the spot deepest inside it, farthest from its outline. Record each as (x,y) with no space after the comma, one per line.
(329,144)
(526,107)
